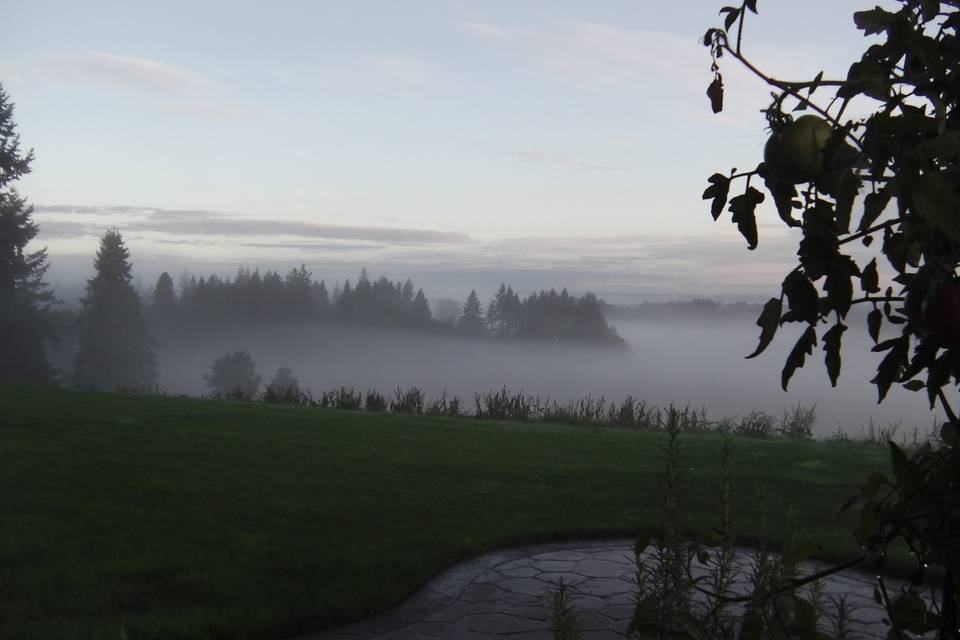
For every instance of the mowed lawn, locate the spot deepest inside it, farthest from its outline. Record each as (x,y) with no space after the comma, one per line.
(171,517)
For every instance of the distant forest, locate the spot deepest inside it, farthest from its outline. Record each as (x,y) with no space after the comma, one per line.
(209,303)
(694,309)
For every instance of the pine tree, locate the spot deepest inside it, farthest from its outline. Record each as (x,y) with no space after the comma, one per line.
(115,349)
(164,297)
(24,297)
(471,322)
(420,311)
(234,376)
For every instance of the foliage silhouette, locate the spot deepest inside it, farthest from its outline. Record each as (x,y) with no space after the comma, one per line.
(114,347)
(904,160)
(25,300)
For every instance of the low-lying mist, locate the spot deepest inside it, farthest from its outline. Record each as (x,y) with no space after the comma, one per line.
(684,363)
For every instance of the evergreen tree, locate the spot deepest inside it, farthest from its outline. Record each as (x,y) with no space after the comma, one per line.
(407,292)
(471,322)
(24,296)
(234,376)
(164,297)
(114,347)
(420,311)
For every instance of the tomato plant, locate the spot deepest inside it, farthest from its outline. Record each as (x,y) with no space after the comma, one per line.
(890,181)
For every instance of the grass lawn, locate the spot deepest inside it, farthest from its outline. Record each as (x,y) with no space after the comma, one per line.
(176,517)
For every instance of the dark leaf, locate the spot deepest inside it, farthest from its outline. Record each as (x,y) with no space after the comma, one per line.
(815,84)
(798,355)
(874,320)
(870,279)
(839,288)
(873,205)
(831,347)
(937,376)
(948,433)
(873,21)
(732,14)
(718,190)
(768,322)
(802,298)
(914,385)
(846,195)
(902,467)
(868,77)
(929,9)
(715,93)
(752,5)
(743,208)
(890,366)
(936,199)
(784,196)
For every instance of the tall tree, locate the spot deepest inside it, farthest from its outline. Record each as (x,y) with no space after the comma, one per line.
(420,311)
(24,296)
(234,375)
(164,297)
(471,322)
(115,349)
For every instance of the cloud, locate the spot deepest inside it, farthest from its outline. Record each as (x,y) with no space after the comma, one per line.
(129,72)
(618,267)
(187,223)
(558,158)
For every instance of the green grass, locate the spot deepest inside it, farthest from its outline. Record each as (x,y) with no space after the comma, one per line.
(190,518)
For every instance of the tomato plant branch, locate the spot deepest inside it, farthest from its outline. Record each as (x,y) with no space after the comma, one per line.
(946,406)
(871,230)
(878,299)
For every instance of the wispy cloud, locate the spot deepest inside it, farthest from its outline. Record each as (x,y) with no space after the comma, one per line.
(182,224)
(119,71)
(573,159)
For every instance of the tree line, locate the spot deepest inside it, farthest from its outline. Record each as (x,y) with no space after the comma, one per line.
(114,329)
(250,296)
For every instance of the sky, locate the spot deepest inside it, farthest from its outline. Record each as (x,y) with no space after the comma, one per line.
(546,142)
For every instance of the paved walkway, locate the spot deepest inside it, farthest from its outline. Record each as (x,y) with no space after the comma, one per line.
(505,594)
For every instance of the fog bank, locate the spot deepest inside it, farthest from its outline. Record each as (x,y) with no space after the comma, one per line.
(684,363)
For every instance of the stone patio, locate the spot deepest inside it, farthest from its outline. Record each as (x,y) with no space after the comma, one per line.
(505,594)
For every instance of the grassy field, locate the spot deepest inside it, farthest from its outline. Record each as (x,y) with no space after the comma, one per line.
(172,517)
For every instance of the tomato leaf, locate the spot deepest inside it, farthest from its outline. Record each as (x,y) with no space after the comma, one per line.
(743,208)
(890,367)
(718,190)
(870,279)
(768,322)
(937,200)
(831,347)
(839,286)
(802,298)
(846,195)
(798,355)
(874,320)
(784,196)
(873,205)
(875,20)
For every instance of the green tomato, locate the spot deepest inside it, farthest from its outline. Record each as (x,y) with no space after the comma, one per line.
(795,154)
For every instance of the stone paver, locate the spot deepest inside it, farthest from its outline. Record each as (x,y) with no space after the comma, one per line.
(505,594)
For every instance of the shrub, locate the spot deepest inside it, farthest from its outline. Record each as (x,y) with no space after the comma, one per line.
(233,376)
(375,401)
(409,401)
